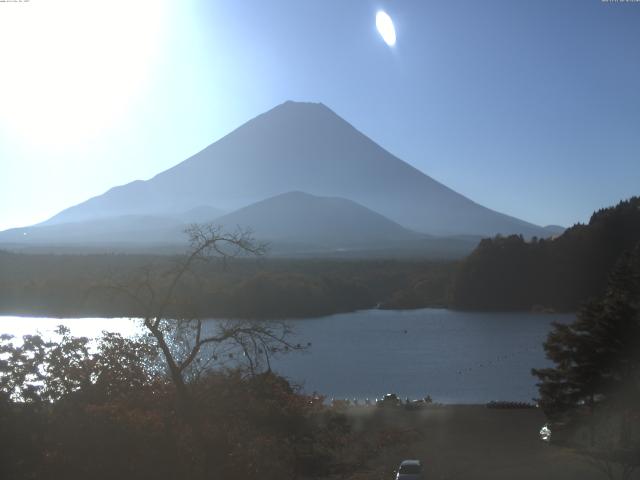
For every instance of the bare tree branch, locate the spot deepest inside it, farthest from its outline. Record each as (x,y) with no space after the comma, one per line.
(182,339)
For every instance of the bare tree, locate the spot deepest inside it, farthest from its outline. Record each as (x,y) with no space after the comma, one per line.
(187,344)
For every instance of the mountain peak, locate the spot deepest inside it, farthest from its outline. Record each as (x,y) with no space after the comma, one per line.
(296,109)
(298,104)
(305,147)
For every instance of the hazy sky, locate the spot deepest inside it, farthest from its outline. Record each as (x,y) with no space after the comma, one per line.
(529,107)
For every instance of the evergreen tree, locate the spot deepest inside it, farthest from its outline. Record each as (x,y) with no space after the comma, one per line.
(509,273)
(598,356)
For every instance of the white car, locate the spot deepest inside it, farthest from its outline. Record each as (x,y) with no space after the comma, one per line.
(409,470)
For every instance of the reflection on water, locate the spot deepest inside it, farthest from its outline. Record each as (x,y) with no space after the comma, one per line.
(456,357)
(80,327)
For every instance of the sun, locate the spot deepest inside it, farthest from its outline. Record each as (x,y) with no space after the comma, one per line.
(71,68)
(385,27)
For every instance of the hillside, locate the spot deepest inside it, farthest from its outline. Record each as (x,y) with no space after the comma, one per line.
(109,231)
(319,222)
(129,232)
(509,273)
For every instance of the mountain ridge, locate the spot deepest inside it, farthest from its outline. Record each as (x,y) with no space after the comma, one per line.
(302,146)
(293,224)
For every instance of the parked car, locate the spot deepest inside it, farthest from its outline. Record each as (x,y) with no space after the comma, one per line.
(409,470)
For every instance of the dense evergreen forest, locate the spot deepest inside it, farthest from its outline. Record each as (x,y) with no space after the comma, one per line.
(77,285)
(509,273)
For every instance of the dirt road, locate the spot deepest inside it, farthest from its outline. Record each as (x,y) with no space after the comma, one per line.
(467,442)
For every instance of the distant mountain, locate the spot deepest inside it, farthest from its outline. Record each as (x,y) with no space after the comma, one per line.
(319,222)
(302,147)
(199,214)
(293,224)
(554,230)
(125,229)
(133,230)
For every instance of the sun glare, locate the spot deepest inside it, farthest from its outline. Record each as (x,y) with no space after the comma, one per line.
(385,27)
(71,68)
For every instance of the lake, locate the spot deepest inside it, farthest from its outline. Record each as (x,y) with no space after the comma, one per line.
(456,357)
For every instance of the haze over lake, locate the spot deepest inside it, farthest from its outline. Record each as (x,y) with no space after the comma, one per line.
(456,357)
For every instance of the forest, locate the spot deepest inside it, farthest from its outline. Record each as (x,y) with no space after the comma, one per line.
(557,274)
(78,285)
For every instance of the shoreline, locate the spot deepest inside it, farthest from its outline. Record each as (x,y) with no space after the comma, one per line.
(75,315)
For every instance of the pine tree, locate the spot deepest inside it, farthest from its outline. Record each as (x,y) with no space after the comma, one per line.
(598,356)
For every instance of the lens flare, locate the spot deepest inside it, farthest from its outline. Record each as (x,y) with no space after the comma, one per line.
(385,27)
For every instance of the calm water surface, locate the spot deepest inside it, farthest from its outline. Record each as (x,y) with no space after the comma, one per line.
(456,357)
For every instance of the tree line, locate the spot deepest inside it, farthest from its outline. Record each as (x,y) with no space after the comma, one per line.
(510,273)
(68,285)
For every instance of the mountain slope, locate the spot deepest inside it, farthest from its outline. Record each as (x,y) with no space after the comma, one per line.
(137,230)
(123,229)
(304,147)
(298,217)
(294,224)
